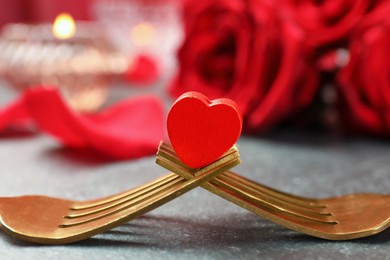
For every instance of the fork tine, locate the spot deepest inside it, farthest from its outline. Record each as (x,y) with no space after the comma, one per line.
(254,204)
(286,204)
(124,195)
(241,196)
(128,200)
(265,204)
(87,218)
(155,198)
(276,193)
(293,199)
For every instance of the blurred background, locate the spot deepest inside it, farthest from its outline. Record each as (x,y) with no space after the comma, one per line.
(93,44)
(302,64)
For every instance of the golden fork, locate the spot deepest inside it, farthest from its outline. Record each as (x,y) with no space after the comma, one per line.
(339,218)
(47,220)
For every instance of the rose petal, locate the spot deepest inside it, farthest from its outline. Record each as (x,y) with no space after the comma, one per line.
(144,70)
(250,51)
(364,83)
(15,115)
(129,129)
(327,22)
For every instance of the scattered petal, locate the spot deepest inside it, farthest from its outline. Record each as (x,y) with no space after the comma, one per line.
(15,116)
(144,70)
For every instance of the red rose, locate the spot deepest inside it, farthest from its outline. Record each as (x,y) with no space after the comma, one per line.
(365,81)
(248,51)
(328,22)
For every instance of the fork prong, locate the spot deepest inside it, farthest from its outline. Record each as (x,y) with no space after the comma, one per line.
(107,212)
(293,199)
(127,200)
(124,195)
(258,194)
(303,201)
(240,195)
(153,199)
(264,203)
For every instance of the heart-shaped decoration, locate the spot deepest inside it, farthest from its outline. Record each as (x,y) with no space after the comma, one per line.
(201,130)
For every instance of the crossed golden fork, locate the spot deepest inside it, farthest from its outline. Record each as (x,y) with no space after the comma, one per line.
(49,220)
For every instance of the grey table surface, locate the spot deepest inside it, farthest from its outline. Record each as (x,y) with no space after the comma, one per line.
(199,225)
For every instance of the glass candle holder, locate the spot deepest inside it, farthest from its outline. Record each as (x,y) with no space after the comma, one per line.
(81,66)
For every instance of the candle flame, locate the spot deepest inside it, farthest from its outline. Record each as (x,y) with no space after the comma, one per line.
(142,34)
(64,26)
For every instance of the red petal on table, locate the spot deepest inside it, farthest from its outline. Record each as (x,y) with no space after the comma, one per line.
(129,129)
(15,115)
(143,70)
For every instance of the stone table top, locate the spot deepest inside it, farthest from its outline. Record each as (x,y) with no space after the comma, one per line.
(200,225)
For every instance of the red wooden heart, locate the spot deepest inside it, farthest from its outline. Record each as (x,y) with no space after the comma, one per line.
(201,130)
